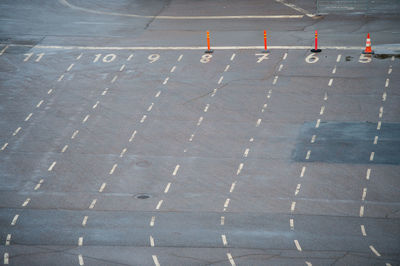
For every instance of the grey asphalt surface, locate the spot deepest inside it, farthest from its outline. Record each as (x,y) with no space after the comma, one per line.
(241,161)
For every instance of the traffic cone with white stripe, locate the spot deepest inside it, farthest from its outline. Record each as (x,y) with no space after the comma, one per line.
(368,49)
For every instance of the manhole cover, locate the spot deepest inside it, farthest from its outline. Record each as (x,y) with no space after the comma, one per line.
(142,196)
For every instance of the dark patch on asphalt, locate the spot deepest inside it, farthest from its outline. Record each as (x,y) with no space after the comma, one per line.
(348,58)
(385,56)
(142,196)
(339,142)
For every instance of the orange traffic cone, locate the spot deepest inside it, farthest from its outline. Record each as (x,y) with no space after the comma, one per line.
(368,49)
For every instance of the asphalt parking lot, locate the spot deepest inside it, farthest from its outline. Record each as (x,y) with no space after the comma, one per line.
(123,143)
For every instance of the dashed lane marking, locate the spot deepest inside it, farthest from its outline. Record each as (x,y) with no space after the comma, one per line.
(6,258)
(384,96)
(363,232)
(143,118)
(60,78)
(4,146)
(39,184)
(371,157)
(159,204)
(321,112)
(157,94)
(180,57)
(258,122)
(293,206)
(297,189)
(226,204)
(165,80)
(200,120)
(80,258)
(296,242)
(28,117)
(156,263)
(114,79)
(129,57)
(285,56)
(151,241)
(233,56)
(3,50)
(364,194)
(153,218)
(95,105)
(80,241)
(275,80)
(368,173)
(334,70)
(14,220)
(206,108)
(167,188)
(224,242)
(222,220)
(176,170)
(39,103)
(374,251)
(361,211)
(26,202)
(16,131)
(123,152)
(240,167)
(378,127)
(8,240)
(338,58)
(79,57)
(74,134)
(132,136)
(227,68)
(103,186)
(122,68)
(173,69)
(280,67)
(325,96)
(291,223)
(308,154)
(387,83)
(317,124)
(85,119)
(313,138)
(299,9)
(104,92)
(113,169)
(330,82)
(91,206)
(230,258)
(232,187)
(52,166)
(220,79)
(246,153)
(84,221)
(303,170)
(70,67)
(64,149)
(376,140)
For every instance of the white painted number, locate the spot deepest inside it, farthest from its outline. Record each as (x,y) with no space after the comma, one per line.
(262,57)
(106,59)
(153,58)
(29,55)
(205,58)
(312,58)
(365,58)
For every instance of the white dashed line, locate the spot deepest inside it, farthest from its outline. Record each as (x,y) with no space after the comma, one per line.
(223,237)
(64,149)
(240,167)
(317,124)
(16,131)
(378,127)
(325,96)
(233,56)
(167,187)
(143,118)
(280,67)
(122,68)
(380,112)
(376,140)
(176,170)
(387,83)
(222,220)
(374,251)
(85,119)
(297,245)
(103,186)
(368,173)
(214,92)
(50,91)
(80,258)
(293,206)
(123,152)
(6,260)
(104,92)
(338,58)
(303,170)
(91,206)
(284,56)
(251,139)
(151,241)
(159,204)
(95,105)
(84,221)
(308,154)
(114,79)
(206,108)
(60,78)
(258,122)
(321,112)
(80,241)
(52,166)
(157,94)
(14,220)
(156,263)
(129,57)
(334,70)
(361,211)
(8,240)
(200,120)
(74,134)
(4,146)
(26,202)
(132,136)
(226,204)
(371,157)
(230,258)
(330,82)
(220,79)
(165,80)
(39,104)
(313,138)
(3,50)
(39,184)
(363,230)
(79,56)
(384,96)
(246,153)
(291,223)
(191,137)
(172,69)
(28,117)
(308,263)
(297,189)
(150,107)
(390,71)
(226,68)
(113,169)
(70,67)
(232,187)
(153,218)
(364,194)
(180,57)
(275,80)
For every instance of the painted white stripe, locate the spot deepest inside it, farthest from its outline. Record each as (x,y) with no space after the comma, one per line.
(159,204)
(64,149)
(133,136)
(85,119)
(122,67)
(223,237)
(200,120)
(8,240)
(361,211)
(330,82)
(39,104)
(296,242)
(191,137)
(308,154)
(303,170)
(387,83)
(371,157)
(91,206)
(368,173)
(114,79)
(16,131)
(28,117)
(233,56)
(74,134)
(378,127)
(285,56)
(376,140)
(317,124)
(14,220)
(246,153)
(226,68)
(226,204)
(180,57)
(334,70)
(151,241)
(39,184)
(60,78)
(158,94)
(150,107)
(222,220)
(6,258)
(129,57)
(3,50)
(70,67)
(291,223)
(240,167)
(173,69)
(156,263)
(80,258)
(338,58)
(364,194)
(113,169)
(206,108)
(95,105)
(293,206)
(84,221)
(52,166)
(390,71)
(326,96)
(123,152)
(258,122)
(232,187)
(4,146)
(230,258)
(321,112)
(374,251)
(297,189)
(167,187)
(165,80)
(299,9)
(275,80)
(220,79)
(102,187)
(308,263)
(176,169)
(80,241)
(384,96)
(26,202)
(143,118)
(280,67)
(363,230)
(153,218)
(313,138)
(104,92)
(79,57)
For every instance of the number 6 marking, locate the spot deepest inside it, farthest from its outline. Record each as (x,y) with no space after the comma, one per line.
(311,59)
